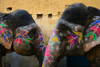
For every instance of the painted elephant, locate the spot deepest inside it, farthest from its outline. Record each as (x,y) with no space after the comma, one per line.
(20,33)
(75,34)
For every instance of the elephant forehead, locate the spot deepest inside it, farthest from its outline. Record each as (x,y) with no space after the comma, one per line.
(6,35)
(72,26)
(28,27)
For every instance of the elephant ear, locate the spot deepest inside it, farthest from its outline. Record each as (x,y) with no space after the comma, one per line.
(22,35)
(6,35)
(93,11)
(92,33)
(65,27)
(71,32)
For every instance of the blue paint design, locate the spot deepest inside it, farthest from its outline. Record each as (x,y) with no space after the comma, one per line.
(4,38)
(42,48)
(96,22)
(20,37)
(8,35)
(56,39)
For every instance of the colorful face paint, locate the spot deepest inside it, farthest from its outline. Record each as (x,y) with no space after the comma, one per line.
(22,35)
(42,47)
(25,33)
(19,40)
(74,38)
(40,37)
(28,41)
(48,51)
(96,29)
(6,36)
(3,30)
(56,39)
(46,59)
(53,40)
(54,29)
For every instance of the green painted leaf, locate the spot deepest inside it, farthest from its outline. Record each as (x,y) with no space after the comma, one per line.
(29,38)
(89,34)
(44,42)
(44,59)
(94,37)
(28,43)
(3,24)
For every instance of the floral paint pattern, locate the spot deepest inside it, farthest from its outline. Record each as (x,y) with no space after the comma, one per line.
(3,30)
(46,59)
(74,38)
(40,37)
(28,41)
(25,33)
(42,47)
(54,39)
(54,29)
(96,29)
(20,39)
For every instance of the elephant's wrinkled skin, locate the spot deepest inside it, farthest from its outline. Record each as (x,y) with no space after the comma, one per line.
(20,33)
(70,35)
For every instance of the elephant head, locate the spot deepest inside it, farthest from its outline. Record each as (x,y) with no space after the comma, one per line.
(70,35)
(19,32)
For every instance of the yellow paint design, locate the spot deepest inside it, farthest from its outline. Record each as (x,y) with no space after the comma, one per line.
(80,38)
(54,26)
(55,39)
(80,35)
(1,39)
(77,33)
(42,65)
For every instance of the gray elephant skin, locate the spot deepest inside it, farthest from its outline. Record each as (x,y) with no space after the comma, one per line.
(75,34)
(20,33)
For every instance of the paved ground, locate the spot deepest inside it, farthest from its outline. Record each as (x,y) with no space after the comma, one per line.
(15,60)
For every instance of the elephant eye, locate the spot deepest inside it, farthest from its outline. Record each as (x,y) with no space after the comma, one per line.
(63,28)
(33,33)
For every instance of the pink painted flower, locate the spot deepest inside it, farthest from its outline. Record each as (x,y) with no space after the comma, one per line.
(48,51)
(96,28)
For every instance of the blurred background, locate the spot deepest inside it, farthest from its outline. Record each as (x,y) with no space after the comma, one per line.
(45,13)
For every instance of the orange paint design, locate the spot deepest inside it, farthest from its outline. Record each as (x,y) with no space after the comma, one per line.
(26,33)
(17,34)
(6,37)
(56,29)
(1,26)
(95,30)
(70,40)
(99,24)
(3,32)
(39,36)
(91,37)
(41,48)
(29,41)
(18,42)
(49,61)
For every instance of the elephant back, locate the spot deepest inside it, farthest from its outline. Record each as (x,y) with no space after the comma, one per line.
(6,35)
